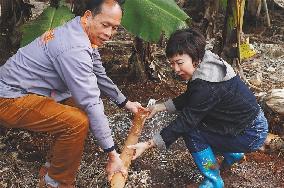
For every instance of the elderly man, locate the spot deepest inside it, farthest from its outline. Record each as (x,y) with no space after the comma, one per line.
(63,63)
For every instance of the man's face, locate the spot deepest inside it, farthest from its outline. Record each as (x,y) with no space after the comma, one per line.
(101,27)
(182,65)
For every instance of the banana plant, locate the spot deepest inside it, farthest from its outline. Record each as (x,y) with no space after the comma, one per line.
(13,13)
(148,19)
(233,27)
(50,18)
(223,3)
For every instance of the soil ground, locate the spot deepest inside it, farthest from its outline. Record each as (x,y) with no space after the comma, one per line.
(22,153)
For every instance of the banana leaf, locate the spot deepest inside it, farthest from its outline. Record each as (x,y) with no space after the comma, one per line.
(148,19)
(50,18)
(223,3)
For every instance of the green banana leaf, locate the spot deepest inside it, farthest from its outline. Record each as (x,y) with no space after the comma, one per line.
(223,3)
(49,19)
(148,19)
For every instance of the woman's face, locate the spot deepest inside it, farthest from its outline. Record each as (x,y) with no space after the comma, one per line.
(183,66)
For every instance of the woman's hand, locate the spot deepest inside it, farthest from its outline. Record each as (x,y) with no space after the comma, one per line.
(139,148)
(155,109)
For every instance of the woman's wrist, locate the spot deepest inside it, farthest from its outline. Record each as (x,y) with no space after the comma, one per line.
(161,107)
(150,144)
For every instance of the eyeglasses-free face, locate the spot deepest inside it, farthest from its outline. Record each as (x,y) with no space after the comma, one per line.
(101,27)
(182,65)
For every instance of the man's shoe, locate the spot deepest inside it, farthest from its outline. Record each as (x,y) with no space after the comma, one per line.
(42,184)
(42,172)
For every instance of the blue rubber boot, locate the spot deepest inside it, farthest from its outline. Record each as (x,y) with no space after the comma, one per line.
(231,158)
(206,162)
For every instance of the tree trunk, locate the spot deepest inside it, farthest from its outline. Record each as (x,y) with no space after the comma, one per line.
(240,7)
(13,14)
(209,19)
(266,13)
(232,29)
(6,7)
(54,3)
(254,9)
(140,61)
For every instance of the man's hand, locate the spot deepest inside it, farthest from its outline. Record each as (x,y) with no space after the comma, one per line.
(115,165)
(133,106)
(139,148)
(156,108)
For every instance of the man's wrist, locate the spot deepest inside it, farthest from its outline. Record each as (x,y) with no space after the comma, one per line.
(121,105)
(110,149)
(113,154)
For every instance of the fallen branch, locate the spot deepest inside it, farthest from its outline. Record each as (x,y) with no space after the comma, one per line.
(266,13)
(119,42)
(118,180)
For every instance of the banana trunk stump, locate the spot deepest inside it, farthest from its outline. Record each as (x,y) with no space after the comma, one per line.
(118,180)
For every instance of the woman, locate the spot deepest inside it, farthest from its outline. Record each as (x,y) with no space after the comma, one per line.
(217,112)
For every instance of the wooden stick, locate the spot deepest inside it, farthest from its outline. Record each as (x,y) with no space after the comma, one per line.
(266,13)
(118,180)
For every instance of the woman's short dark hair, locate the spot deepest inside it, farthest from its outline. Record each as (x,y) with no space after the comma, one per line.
(186,41)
